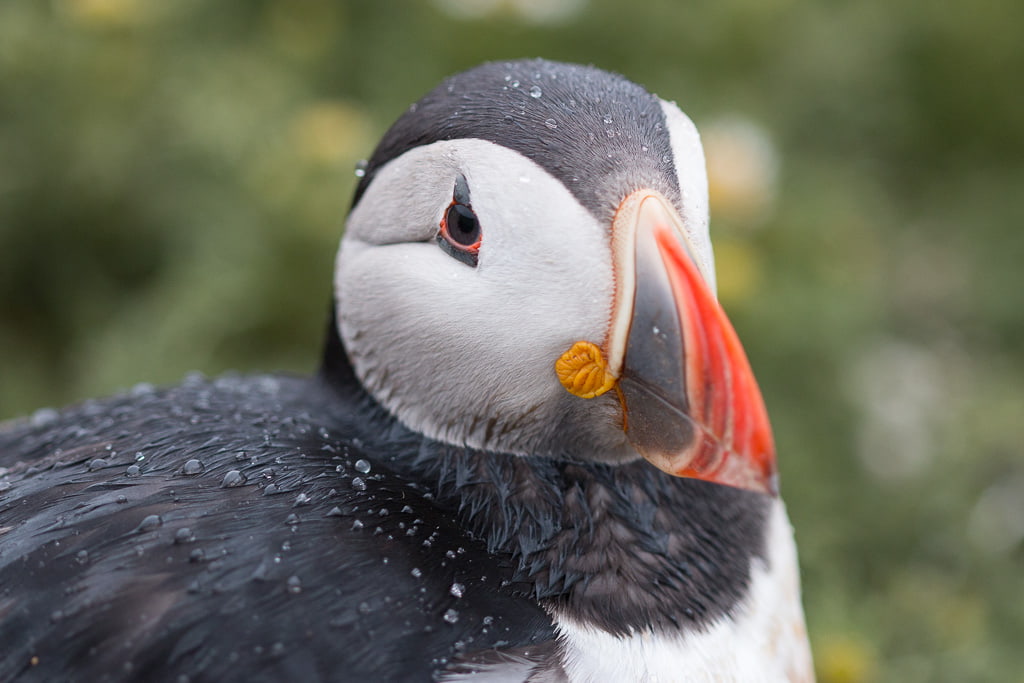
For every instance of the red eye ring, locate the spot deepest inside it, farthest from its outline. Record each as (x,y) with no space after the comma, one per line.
(460,235)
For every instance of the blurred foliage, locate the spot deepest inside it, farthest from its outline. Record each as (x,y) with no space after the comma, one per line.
(174,177)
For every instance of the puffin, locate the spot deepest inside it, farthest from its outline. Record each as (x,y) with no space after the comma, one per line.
(534,449)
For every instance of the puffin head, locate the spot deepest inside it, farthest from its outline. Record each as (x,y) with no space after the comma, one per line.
(527,269)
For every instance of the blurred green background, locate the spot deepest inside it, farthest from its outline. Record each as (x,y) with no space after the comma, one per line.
(174,178)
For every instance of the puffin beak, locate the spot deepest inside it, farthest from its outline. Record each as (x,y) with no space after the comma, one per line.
(691,405)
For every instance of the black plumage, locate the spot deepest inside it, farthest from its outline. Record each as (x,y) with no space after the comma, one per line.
(225,530)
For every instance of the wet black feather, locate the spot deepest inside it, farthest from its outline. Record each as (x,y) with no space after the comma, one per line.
(310,570)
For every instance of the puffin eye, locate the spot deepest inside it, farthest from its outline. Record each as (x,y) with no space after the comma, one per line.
(461,226)
(460,235)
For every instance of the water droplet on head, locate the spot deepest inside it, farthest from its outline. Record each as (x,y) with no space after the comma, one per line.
(514,84)
(133,471)
(416,572)
(82,556)
(457,590)
(184,535)
(302,499)
(358,484)
(294,584)
(193,467)
(232,479)
(551,123)
(363,466)
(149,523)
(535,92)
(607,118)
(451,616)
(97,463)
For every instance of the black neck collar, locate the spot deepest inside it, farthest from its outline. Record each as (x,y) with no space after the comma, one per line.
(622,547)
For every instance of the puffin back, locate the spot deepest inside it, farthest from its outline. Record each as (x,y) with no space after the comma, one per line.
(234,530)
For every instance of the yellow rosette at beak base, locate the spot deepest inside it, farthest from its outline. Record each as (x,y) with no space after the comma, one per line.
(583,370)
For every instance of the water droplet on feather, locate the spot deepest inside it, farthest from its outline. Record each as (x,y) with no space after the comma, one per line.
(193,467)
(149,523)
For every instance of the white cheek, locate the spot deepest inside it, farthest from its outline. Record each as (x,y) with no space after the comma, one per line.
(449,348)
(404,201)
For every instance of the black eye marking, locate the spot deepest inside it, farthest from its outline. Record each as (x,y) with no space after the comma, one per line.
(461,192)
(460,234)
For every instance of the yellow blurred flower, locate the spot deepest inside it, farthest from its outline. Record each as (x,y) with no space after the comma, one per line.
(845,659)
(103,13)
(330,132)
(737,269)
(742,170)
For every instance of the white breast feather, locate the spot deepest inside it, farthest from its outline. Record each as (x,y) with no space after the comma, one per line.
(764,642)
